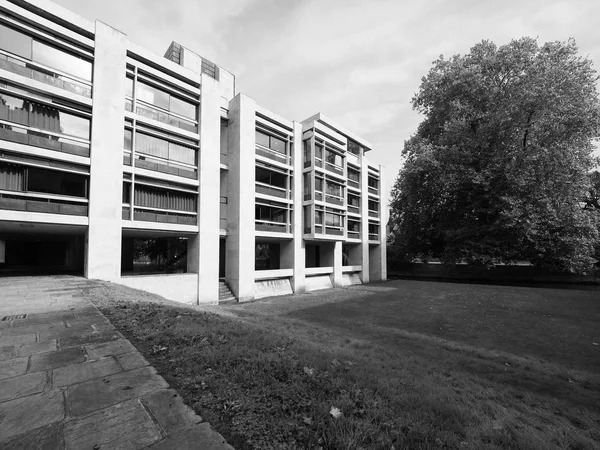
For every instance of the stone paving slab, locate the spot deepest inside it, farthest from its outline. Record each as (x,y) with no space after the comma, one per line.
(69,380)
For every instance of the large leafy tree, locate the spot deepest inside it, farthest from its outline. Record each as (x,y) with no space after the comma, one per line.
(498,167)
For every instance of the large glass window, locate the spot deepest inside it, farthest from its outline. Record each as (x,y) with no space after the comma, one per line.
(160,148)
(270,177)
(127,139)
(353,175)
(42,116)
(354,147)
(267,257)
(270,213)
(335,189)
(52,182)
(373,183)
(373,206)
(333,158)
(333,220)
(160,198)
(26,47)
(12,178)
(306,150)
(165,100)
(272,142)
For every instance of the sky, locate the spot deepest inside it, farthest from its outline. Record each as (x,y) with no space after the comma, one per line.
(359,62)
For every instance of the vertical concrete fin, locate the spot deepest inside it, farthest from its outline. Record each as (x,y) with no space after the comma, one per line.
(103,255)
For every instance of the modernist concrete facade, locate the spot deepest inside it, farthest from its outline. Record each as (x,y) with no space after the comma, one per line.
(107,150)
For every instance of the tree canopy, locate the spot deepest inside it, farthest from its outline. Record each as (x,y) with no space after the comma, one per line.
(498,169)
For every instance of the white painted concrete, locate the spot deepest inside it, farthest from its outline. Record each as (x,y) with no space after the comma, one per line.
(271,288)
(181,288)
(103,250)
(318,282)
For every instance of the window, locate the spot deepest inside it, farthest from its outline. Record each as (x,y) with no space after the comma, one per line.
(127,139)
(126,192)
(319,184)
(353,226)
(353,175)
(354,147)
(43,116)
(334,189)
(58,183)
(267,257)
(306,144)
(270,213)
(333,220)
(373,183)
(373,231)
(272,142)
(319,217)
(160,198)
(164,100)
(318,151)
(333,158)
(353,200)
(27,47)
(160,148)
(373,206)
(271,178)
(307,184)
(129,87)
(12,178)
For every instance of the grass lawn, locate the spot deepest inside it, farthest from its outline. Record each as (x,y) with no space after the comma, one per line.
(401,365)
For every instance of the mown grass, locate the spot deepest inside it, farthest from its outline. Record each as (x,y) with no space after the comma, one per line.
(424,366)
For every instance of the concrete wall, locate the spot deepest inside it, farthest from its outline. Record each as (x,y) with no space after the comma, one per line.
(103,255)
(181,288)
(240,205)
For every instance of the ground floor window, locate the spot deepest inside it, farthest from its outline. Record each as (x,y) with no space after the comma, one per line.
(267,256)
(154,255)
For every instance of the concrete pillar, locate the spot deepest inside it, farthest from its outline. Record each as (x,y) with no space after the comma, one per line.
(240,243)
(298,246)
(384,214)
(364,217)
(336,279)
(207,243)
(103,249)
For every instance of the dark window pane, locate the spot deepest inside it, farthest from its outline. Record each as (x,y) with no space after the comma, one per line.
(319,151)
(126,192)
(262,175)
(52,182)
(65,62)
(15,42)
(319,184)
(278,179)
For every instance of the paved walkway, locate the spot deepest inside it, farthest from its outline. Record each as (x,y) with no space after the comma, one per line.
(69,380)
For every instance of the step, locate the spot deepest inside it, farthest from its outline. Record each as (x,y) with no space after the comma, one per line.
(227,300)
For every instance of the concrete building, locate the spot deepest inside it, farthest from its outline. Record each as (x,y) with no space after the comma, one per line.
(152,172)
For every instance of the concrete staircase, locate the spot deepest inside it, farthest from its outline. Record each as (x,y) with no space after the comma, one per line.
(225,294)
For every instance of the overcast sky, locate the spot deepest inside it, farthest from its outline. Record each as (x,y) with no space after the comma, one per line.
(357,61)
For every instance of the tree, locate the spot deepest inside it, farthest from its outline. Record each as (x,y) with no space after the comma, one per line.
(498,166)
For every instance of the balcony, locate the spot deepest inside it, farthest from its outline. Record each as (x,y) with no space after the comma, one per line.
(334,200)
(151,112)
(373,190)
(164,166)
(163,216)
(34,71)
(272,227)
(334,231)
(20,134)
(42,203)
(353,234)
(334,168)
(354,184)
(271,154)
(353,209)
(373,213)
(267,189)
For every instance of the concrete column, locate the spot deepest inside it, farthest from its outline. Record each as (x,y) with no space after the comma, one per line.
(203,250)
(364,217)
(337,264)
(103,249)
(298,246)
(240,244)
(384,214)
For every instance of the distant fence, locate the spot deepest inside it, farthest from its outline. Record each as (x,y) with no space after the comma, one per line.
(465,272)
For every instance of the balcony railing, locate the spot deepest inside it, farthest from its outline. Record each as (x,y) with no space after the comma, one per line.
(353,209)
(34,202)
(373,213)
(268,189)
(161,216)
(334,168)
(271,154)
(353,234)
(164,166)
(276,227)
(373,236)
(38,72)
(334,231)
(152,112)
(373,190)
(354,184)
(334,200)
(20,135)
